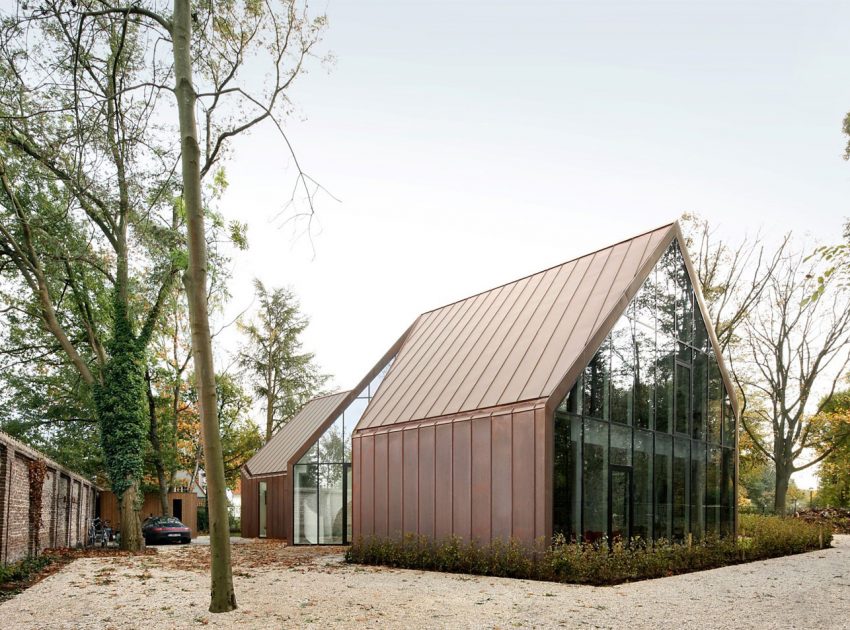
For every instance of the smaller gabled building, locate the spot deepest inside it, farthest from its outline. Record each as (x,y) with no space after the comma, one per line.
(298,487)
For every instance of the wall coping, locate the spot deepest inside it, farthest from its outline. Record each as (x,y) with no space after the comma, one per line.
(31,453)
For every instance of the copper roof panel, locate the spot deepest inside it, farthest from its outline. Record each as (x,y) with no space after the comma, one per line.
(275,455)
(512,343)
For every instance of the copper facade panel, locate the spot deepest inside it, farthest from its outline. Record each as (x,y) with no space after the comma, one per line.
(522,475)
(355,484)
(278,506)
(543,470)
(462,479)
(513,343)
(468,476)
(382,480)
(410,480)
(366,464)
(395,485)
(502,487)
(480,453)
(443,481)
(427,474)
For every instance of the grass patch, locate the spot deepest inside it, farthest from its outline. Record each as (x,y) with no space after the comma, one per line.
(760,537)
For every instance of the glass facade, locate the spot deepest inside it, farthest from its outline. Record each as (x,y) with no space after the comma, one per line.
(322,478)
(644,441)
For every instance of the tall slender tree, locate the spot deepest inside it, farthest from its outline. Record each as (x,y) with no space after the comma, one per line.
(284,377)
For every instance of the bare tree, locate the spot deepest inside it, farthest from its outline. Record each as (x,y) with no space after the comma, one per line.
(733,277)
(792,348)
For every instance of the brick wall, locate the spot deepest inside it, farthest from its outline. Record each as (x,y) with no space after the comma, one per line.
(67,503)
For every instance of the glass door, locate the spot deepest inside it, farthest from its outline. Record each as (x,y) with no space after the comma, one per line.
(263,509)
(620,503)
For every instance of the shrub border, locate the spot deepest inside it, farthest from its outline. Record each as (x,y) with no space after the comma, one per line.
(597,564)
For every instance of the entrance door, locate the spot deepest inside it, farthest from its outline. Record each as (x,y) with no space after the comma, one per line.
(620,503)
(178,509)
(263,509)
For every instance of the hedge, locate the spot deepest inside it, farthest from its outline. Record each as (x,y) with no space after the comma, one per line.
(760,537)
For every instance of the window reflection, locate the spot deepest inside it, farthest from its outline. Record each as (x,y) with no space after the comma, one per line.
(654,375)
(322,477)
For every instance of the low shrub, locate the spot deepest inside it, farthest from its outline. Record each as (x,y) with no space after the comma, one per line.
(24,569)
(599,563)
(203,519)
(836,518)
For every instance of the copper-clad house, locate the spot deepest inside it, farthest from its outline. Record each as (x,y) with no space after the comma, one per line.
(588,399)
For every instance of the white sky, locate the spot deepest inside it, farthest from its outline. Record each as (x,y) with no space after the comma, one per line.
(471,143)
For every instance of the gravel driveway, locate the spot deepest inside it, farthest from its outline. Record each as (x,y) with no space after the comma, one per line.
(281,587)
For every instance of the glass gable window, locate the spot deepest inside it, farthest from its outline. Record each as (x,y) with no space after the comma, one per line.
(322,481)
(645,440)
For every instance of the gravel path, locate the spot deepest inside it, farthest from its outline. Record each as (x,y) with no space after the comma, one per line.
(294,588)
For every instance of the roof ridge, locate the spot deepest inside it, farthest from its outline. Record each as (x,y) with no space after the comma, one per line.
(561,264)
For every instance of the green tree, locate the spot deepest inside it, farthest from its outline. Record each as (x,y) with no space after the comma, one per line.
(210,43)
(834,472)
(283,377)
(84,253)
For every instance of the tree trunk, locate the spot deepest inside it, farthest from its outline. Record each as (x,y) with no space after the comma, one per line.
(222,597)
(783,480)
(269,417)
(131,527)
(156,445)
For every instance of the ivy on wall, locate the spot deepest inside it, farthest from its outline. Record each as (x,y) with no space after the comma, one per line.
(37,471)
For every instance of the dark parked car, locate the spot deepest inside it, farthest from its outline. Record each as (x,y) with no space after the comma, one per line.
(164,529)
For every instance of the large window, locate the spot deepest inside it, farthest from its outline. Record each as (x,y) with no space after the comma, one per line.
(645,440)
(322,481)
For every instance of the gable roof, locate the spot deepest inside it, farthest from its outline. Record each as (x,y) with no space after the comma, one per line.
(516,342)
(275,455)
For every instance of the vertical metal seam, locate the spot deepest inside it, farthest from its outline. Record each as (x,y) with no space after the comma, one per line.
(452,481)
(471,469)
(418,481)
(490,473)
(387,470)
(434,494)
(443,347)
(500,313)
(403,493)
(531,288)
(537,332)
(513,488)
(581,310)
(454,317)
(501,305)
